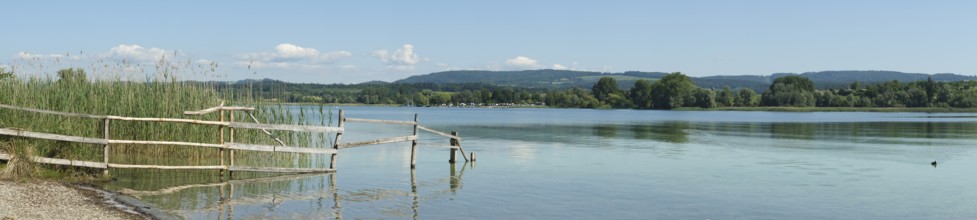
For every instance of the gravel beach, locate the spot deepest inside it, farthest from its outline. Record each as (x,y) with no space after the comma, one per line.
(51,200)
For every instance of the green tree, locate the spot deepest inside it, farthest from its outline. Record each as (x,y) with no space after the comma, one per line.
(725,97)
(421,100)
(744,98)
(604,87)
(930,90)
(855,85)
(618,100)
(641,94)
(440,98)
(790,91)
(671,91)
(486,96)
(703,98)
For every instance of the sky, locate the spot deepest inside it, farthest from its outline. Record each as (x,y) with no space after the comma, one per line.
(359,41)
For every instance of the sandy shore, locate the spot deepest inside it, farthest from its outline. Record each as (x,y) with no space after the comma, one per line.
(51,200)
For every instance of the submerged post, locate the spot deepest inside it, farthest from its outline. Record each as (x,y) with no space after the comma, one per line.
(454,147)
(220,130)
(332,161)
(105,150)
(230,173)
(413,145)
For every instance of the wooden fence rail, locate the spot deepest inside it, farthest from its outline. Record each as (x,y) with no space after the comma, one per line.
(454,140)
(378,141)
(380,121)
(230,145)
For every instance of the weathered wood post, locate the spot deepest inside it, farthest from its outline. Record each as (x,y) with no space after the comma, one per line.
(413,145)
(454,147)
(458,145)
(335,144)
(220,130)
(473,157)
(105,150)
(230,173)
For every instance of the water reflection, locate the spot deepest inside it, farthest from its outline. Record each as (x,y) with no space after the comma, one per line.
(268,197)
(672,131)
(605,130)
(784,165)
(802,131)
(683,131)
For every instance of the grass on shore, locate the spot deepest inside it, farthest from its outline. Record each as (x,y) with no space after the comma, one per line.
(163,96)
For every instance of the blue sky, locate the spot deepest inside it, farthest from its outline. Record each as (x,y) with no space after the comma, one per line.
(358,41)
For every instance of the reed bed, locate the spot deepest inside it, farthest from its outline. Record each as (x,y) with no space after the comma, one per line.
(118,90)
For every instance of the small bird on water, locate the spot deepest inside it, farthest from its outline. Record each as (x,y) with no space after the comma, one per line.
(933,163)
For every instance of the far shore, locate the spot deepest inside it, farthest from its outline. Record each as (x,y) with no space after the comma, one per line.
(835,109)
(758,108)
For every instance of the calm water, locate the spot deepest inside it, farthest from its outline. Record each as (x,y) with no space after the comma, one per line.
(617,164)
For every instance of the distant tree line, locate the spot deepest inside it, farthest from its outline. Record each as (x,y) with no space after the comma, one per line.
(417,94)
(671,91)
(676,90)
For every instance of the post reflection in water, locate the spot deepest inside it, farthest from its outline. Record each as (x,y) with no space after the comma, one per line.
(336,208)
(413,192)
(269,196)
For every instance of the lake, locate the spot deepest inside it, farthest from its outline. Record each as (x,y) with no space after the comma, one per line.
(614,164)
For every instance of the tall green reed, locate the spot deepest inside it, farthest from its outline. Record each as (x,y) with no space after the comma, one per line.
(115,89)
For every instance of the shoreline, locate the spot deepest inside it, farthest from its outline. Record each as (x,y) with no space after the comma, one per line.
(751,109)
(40,199)
(835,109)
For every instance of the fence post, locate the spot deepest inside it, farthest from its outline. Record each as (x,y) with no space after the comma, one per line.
(458,145)
(230,174)
(220,130)
(105,150)
(335,144)
(413,145)
(454,147)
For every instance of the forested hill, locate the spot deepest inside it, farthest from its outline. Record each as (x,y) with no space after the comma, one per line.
(567,78)
(546,78)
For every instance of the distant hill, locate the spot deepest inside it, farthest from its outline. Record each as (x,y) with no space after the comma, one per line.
(583,79)
(825,79)
(546,78)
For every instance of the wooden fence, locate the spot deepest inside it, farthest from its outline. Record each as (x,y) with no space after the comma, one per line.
(227,144)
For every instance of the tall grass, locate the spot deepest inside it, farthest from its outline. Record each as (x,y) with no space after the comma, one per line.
(161,94)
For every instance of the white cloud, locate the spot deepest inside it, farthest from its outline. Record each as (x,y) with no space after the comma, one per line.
(137,53)
(28,56)
(290,55)
(521,62)
(403,59)
(559,67)
(204,62)
(292,51)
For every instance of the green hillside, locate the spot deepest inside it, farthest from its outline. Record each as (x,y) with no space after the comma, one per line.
(582,79)
(547,78)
